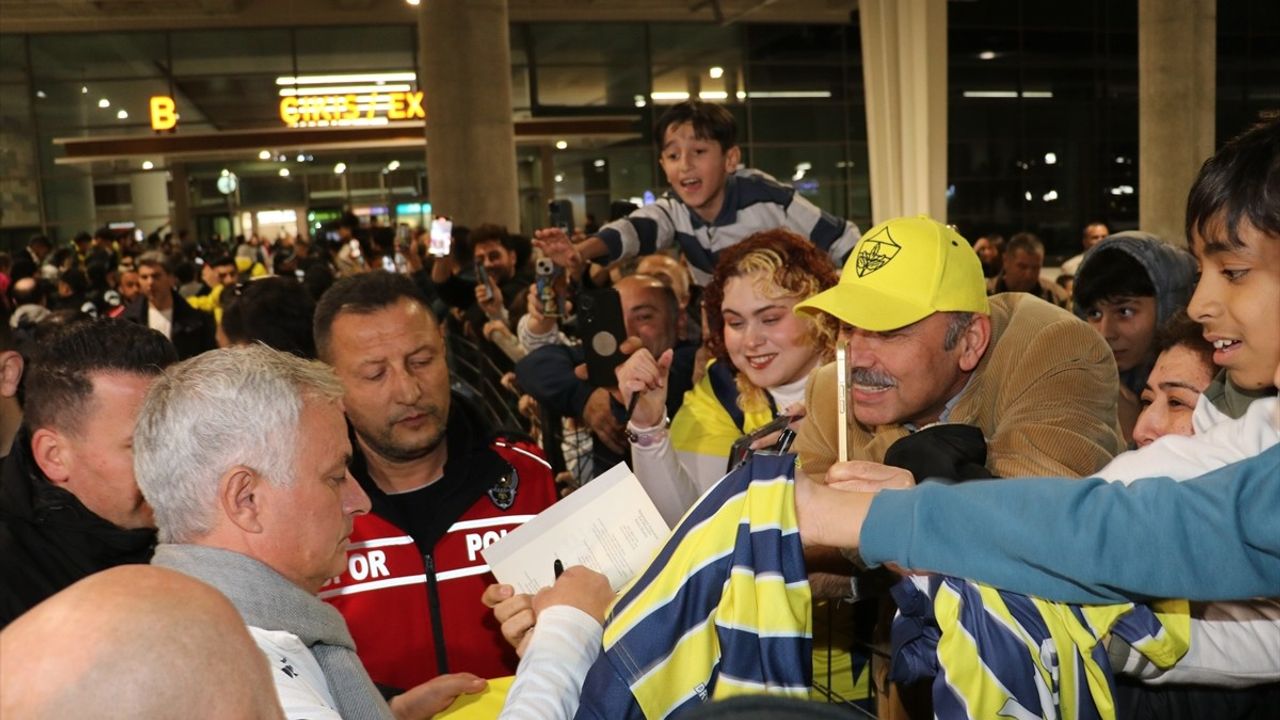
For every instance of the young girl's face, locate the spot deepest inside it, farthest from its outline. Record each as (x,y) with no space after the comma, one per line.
(763,337)
(1237,301)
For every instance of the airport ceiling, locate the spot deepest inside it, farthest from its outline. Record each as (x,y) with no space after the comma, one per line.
(122,15)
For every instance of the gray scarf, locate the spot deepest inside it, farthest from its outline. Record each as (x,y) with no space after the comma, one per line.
(267,600)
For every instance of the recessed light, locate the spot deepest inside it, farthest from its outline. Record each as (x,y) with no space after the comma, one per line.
(122,114)
(561,144)
(284,172)
(264,155)
(147,164)
(104,103)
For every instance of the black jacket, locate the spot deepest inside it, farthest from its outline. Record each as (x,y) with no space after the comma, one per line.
(547,375)
(192,332)
(49,539)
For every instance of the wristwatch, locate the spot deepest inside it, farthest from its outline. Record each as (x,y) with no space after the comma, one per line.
(648,436)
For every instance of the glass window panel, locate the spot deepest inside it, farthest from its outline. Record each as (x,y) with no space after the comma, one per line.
(697,58)
(66,108)
(792,121)
(576,43)
(13,58)
(218,52)
(591,85)
(229,101)
(19,170)
(99,55)
(350,49)
(791,82)
(520,98)
(519,44)
(983,13)
(827,181)
(796,43)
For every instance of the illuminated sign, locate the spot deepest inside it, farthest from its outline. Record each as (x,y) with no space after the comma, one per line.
(163,116)
(351,109)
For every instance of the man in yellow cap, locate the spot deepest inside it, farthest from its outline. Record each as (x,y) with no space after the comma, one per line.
(926,345)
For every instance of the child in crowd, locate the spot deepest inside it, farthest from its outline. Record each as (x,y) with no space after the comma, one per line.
(1127,287)
(1233,224)
(712,205)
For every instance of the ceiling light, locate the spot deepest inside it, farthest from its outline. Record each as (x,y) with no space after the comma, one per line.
(393,165)
(640,101)
(302,157)
(716,72)
(347,78)
(84,89)
(986,55)
(1027,195)
(225,172)
(40,94)
(284,172)
(790,94)
(344,89)
(599,162)
(561,144)
(414,3)
(559,177)
(104,103)
(1051,196)
(339,168)
(122,114)
(1050,158)
(147,164)
(713,95)
(677,96)
(264,155)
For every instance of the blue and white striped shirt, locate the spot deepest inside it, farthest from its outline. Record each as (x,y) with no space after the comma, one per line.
(753,201)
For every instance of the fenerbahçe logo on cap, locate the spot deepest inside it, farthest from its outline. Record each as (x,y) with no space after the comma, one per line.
(876,252)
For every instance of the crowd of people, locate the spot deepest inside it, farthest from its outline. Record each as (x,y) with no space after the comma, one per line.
(281,432)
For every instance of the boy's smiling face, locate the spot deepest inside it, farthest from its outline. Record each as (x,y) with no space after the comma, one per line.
(1237,301)
(697,168)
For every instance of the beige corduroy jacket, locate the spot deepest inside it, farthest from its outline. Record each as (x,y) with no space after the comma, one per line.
(1044,396)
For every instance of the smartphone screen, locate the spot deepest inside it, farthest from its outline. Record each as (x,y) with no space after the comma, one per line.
(441,237)
(602,329)
(560,213)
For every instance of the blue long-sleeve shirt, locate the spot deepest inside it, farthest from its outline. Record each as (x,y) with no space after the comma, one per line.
(1216,537)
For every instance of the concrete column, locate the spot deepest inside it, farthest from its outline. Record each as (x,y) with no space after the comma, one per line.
(181,198)
(150,200)
(1177,46)
(465,76)
(904,60)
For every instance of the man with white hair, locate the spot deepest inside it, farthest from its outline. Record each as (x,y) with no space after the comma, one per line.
(243,453)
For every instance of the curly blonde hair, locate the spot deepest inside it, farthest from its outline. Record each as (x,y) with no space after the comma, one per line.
(783,265)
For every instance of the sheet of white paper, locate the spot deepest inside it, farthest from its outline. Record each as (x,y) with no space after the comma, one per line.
(609,525)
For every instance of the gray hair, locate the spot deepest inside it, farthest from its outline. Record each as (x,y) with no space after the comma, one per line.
(206,415)
(957,324)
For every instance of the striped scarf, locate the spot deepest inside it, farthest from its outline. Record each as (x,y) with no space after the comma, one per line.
(1001,654)
(724,609)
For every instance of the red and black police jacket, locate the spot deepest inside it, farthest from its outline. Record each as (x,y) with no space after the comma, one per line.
(411,590)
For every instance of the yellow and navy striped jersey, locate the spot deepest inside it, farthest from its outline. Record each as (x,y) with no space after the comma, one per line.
(724,609)
(1005,655)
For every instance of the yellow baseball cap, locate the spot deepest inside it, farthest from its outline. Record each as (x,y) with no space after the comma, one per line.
(902,271)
